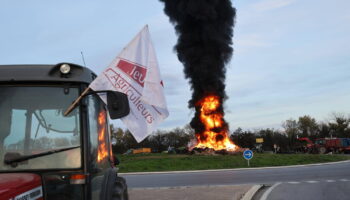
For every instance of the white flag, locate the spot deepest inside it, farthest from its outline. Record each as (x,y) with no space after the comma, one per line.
(135,73)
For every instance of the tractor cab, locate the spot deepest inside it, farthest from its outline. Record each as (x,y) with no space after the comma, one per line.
(45,154)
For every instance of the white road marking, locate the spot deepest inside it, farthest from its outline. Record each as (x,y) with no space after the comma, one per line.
(330,181)
(344,179)
(293,182)
(266,194)
(311,181)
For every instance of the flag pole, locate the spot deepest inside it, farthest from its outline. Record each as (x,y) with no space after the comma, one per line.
(74,104)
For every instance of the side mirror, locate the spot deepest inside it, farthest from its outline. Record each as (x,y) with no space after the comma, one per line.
(117,104)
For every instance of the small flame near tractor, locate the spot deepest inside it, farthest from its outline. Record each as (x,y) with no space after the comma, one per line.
(102,152)
(215,134)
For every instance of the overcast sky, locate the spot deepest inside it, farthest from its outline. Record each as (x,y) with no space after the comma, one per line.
(291,57)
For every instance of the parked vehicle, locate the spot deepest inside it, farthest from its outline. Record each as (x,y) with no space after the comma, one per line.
(326,145)
(335,145)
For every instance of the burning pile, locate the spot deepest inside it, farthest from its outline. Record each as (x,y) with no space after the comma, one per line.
(215,129)
(205,29)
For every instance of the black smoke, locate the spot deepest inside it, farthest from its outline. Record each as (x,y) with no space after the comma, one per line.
(205,30)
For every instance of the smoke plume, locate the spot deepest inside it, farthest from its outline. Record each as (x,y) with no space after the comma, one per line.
(205,30)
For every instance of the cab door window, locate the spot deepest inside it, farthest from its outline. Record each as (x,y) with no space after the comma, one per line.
(99,141)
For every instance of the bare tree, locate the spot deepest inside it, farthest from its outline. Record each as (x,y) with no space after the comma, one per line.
(291,128)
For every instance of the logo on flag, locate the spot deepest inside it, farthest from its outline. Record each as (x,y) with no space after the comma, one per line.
(135,73)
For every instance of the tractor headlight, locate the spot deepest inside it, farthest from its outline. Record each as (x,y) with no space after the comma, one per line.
(65,68)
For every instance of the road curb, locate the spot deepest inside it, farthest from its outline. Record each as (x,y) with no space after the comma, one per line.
(251,192)
(237,169)
(268,191)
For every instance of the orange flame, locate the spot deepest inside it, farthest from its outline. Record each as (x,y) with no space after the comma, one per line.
(102,148)
(212,119)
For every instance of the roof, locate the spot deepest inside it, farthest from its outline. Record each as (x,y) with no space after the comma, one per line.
(45,73)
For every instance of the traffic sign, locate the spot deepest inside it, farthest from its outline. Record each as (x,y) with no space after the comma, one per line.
(259,140)
(248,154)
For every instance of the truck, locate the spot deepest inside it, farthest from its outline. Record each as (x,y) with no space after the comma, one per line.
(326,145)
(46,154)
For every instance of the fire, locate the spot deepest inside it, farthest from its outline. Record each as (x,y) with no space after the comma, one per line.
(215,134)
(102,148)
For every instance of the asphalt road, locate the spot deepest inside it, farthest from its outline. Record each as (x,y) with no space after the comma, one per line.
(313,189)
(301,174)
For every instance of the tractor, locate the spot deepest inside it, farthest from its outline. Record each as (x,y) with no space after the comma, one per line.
(325,145)
(47,154)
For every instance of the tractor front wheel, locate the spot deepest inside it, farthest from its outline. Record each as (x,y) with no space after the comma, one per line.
(120,191)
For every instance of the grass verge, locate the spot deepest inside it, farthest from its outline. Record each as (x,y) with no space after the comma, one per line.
(178,162)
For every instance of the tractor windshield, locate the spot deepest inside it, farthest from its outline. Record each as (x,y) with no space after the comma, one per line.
(32,123)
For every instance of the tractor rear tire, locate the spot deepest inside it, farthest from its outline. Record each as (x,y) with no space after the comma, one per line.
(120,191)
